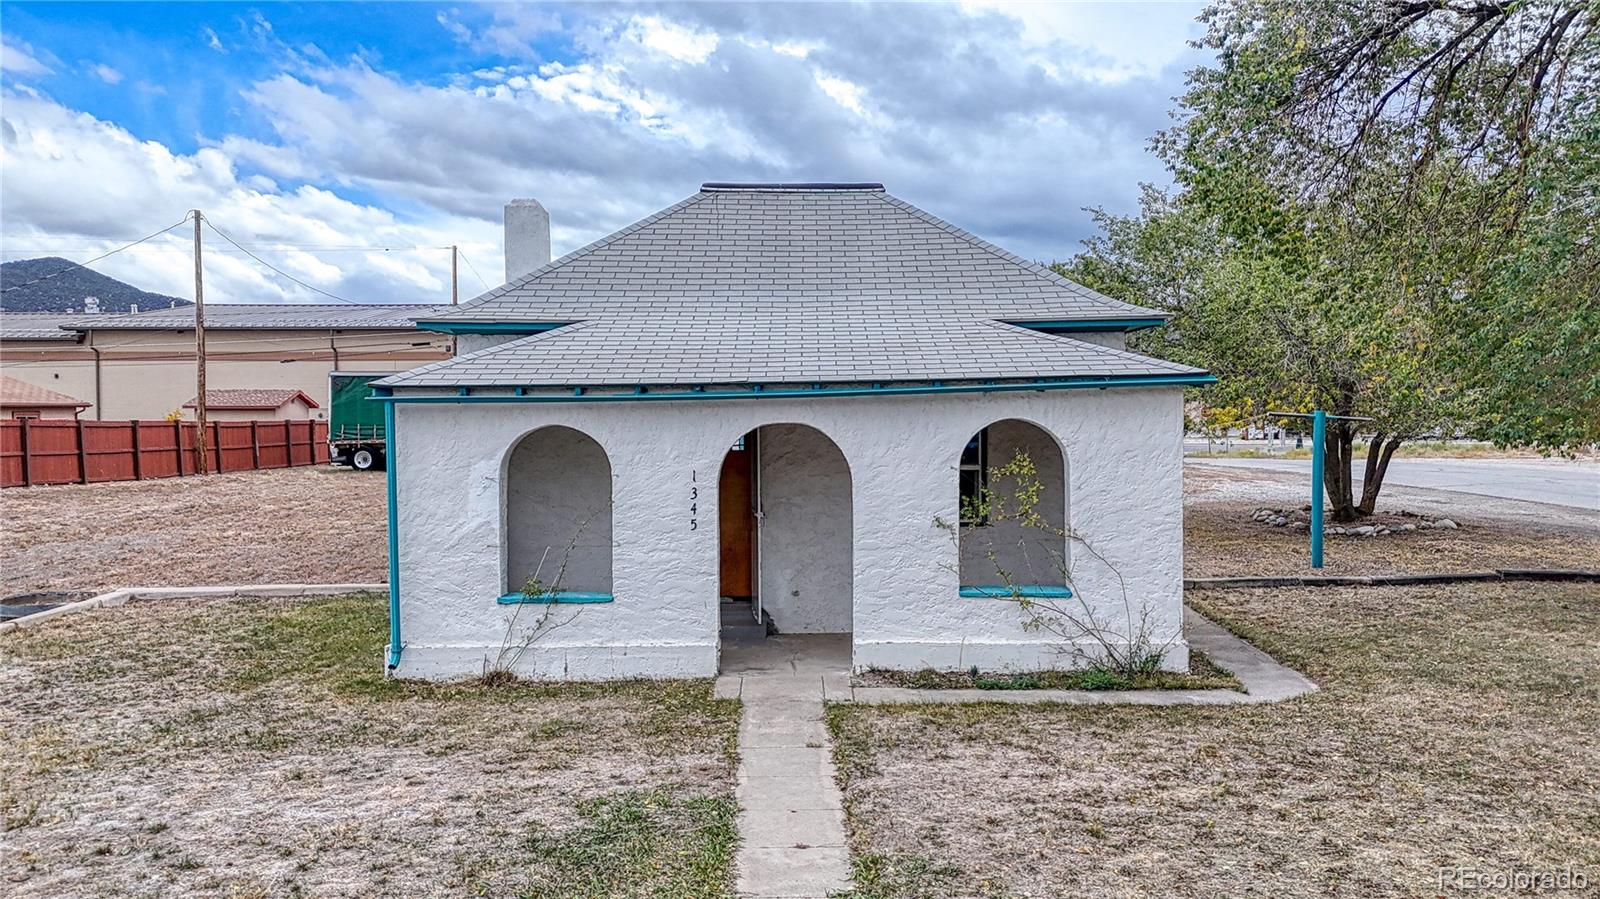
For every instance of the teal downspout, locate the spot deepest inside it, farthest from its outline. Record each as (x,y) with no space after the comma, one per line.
(1319,433)
(394,538)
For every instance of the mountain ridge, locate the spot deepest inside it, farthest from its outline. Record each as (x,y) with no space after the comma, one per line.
(61,285)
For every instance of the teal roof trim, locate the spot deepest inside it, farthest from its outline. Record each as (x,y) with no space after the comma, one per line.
(1085,325)
(466,327)
(755,392)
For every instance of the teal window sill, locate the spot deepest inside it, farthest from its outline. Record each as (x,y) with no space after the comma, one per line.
(563,596)
(1024,592)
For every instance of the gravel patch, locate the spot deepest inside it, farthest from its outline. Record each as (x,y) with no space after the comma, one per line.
(294,525)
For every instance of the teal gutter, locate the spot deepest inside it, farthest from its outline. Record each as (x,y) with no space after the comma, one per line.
(1089,324)
(756,392)
(491,327)
(394,531)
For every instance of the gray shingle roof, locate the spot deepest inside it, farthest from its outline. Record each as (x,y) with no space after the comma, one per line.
(272,316)
(753,284)
(35,326)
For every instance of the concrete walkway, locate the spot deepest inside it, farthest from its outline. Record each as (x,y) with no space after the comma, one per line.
(791,818)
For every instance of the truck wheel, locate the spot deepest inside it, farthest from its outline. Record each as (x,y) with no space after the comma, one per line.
(365,459)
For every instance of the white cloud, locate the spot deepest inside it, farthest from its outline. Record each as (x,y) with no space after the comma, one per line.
(998,119)
(77,186)
(676,41)
(105,73)
(843,92)
(212,40)
(19,59)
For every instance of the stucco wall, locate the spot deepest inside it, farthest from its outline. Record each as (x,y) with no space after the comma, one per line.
(805,552)
(1117,340)
(471,343)
(1124,473)
(1028,553)
(558,512)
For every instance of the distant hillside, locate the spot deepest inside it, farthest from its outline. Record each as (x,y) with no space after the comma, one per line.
(66,292)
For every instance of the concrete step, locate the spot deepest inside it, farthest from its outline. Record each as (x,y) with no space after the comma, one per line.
(737,612)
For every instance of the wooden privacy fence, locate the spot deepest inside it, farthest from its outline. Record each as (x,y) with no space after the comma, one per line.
(66,451)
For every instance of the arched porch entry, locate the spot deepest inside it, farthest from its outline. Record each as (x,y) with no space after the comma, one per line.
(1013,491)
(785,533)
(557,516)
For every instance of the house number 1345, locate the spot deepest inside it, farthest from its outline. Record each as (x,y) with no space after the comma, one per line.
(694,501)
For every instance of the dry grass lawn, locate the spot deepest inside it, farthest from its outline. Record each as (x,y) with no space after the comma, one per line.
(1456,727)
(252,748)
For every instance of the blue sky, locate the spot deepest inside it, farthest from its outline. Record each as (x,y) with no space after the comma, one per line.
(313,130)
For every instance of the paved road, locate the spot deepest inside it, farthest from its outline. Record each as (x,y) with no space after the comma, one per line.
(1555,481)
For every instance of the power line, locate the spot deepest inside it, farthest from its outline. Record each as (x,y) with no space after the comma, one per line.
(11,248)
(280,271)
(474,269)
(76,265)
(86,243)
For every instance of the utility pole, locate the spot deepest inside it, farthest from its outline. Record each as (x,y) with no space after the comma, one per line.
(455,294)
(202,464)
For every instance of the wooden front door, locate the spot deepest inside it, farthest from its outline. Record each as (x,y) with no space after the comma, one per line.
(737,520)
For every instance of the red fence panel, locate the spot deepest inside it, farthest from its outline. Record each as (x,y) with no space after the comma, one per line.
(66,451)
(11,454)
(274,443)
(235,449)
(52,447)
(107,450)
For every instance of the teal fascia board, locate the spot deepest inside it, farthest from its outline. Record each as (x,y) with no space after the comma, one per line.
(987,591)
(491,327)
(560,596)
(1069,326)
(640,394)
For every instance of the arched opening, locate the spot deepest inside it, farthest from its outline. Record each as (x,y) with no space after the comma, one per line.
(558,516)
(785,534)
(1013,513)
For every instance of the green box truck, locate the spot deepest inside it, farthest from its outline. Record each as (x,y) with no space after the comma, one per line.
(355,423)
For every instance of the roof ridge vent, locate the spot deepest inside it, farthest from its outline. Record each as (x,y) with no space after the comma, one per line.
(792,185)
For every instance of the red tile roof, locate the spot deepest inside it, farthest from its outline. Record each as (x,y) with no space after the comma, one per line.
(253,398)
(14,392)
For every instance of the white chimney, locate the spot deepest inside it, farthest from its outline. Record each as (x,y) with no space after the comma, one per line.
(133,307)
(527,237)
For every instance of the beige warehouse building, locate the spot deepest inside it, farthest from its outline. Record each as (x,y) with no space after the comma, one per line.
(142,365)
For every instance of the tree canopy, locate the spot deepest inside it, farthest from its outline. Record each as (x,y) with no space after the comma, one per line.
(1382,209)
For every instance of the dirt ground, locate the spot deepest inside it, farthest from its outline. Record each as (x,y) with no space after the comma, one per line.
(1221,540)
(252,748)
(326,525)
(1455,728)
(293,525)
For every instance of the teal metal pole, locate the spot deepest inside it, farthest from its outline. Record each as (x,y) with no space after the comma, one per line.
(394,536)
(1319,433)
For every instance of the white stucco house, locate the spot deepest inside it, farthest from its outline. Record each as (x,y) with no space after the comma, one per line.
(765,398)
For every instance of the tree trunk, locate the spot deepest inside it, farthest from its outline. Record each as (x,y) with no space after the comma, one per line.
(1378,456)
(1336,457)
